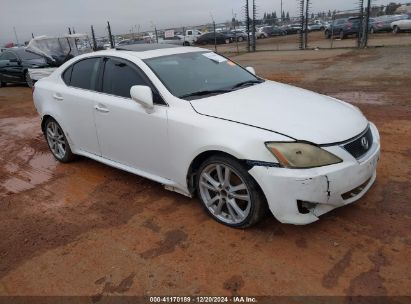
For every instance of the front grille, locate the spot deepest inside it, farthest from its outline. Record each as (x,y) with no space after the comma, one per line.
(359,146)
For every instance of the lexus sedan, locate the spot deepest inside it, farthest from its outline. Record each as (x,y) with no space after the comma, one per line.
(200,124)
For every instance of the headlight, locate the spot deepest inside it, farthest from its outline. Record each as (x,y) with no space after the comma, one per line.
(301,155)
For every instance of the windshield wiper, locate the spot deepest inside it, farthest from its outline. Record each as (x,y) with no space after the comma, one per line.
(248,82)
(204,93)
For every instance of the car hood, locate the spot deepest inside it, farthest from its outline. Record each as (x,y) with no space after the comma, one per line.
(281,108)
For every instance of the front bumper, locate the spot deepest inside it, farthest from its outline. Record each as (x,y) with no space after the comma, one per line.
(322,189)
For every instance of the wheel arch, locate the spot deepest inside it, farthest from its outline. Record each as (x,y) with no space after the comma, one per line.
(44,120)
(200,158)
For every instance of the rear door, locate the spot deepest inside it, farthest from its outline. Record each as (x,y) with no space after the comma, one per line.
(76,100)
(127,133)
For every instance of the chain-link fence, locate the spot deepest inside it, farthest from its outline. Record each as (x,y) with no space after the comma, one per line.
(358,27)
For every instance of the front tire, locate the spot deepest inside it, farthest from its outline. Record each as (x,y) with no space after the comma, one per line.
(229,194)
(57,141)
(342,35)
(227,41)
(396,29)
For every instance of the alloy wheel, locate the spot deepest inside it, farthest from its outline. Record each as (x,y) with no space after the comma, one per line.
(56,140)
(224,193)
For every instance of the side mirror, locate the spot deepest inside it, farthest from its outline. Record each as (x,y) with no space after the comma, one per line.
(251,70)
(143,95)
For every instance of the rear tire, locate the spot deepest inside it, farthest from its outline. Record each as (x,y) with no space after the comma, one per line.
(2,84)
(396,29)
(57,141)
(372,30)
(28,79)
(227,41)
(342,36)
(240,39)
(327,35)
(231,197)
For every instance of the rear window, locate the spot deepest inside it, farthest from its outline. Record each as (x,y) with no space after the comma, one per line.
(84,74)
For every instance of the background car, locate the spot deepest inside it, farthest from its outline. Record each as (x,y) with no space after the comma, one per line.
(14,65)
(292,29)
(318,25)
(240,35)
(210,38)
(270,31)
(176,40)
(402,25)
(343,28)
(383,23)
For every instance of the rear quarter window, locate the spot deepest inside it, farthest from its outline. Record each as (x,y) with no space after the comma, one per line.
(67,75)
(84,73)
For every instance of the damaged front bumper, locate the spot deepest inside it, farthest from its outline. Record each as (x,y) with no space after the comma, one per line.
(300,196)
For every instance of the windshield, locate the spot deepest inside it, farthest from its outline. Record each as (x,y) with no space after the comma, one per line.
(194,75)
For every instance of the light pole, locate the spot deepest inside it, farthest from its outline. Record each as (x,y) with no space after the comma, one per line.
(281,11)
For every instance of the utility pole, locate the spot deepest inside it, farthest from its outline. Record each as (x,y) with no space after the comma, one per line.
(155,30)
(247,18)
(215,34)
(302,22)
(366,24)
(253,25)
(215,37)
(94,39)
(360,31)
(110,36)
(235,32)
(307,15)
(281,12)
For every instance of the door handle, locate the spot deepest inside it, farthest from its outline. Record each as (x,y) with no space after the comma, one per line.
(101,109)
(58,96)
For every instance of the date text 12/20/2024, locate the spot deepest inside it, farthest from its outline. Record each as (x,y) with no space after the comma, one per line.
(203,299)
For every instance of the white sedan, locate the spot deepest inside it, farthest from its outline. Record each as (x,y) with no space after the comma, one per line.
(402,25)
(202,125)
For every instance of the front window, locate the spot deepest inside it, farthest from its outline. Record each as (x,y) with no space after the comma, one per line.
(200,74)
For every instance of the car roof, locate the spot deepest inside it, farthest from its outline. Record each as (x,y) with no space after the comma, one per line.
(149,50)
